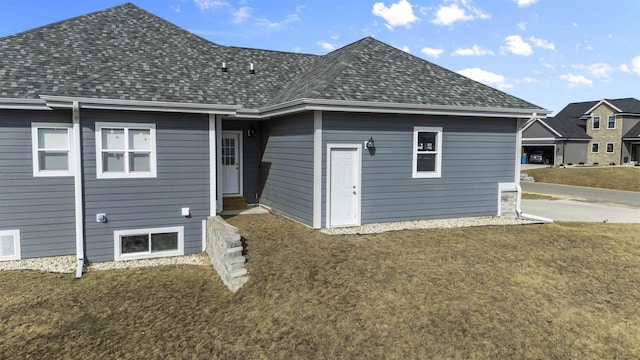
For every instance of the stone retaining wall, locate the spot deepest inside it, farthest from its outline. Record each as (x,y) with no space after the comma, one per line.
(224,247)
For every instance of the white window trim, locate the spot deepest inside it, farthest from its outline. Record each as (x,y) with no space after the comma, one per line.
(614,122)
(613,146)
(119,256)
(593,123)
(152,173)
(34,146)
(595,143)
(16,245)
(427,174)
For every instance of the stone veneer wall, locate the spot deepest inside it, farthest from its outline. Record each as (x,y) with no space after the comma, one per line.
(602,136)
(508,204)
(224,247)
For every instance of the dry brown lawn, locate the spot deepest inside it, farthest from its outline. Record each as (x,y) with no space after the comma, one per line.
(559,291)
(617,178)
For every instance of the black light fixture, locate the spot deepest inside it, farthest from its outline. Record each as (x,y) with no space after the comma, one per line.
(251,132)
(370,144)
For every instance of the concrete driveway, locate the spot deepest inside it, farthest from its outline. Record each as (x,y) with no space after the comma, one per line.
(583,204)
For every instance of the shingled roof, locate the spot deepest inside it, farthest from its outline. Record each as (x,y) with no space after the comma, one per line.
(127,53)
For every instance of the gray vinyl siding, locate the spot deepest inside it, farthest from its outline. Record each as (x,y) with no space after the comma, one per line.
(287,166)
(477,154)
(576,152)
(537,131)
(42,208)
(250,155)
(628,123)
(182,145)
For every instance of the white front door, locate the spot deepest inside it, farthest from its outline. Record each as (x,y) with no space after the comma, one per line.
(344,186)
(231,166)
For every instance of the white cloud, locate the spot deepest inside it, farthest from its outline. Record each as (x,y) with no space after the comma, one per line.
(523,3)
(599,70)
(459,10)
(475,50)
(542,43)
(210,4)
(405,49)
(515,45)
(279,24)
(398,14)
(176,8)
(486,77)
(575,80)
(334,36)
(625,68)
(432,52)
(241,15)
(522,26)
(635,64)
(326,45)
(529,80)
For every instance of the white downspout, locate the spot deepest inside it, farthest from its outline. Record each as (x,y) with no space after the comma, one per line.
(521,125)
(77,181)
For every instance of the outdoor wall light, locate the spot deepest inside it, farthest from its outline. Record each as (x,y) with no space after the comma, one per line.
(370,145)
(251,132)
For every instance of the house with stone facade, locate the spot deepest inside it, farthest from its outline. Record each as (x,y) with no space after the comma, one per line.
(121,133)
(600,132)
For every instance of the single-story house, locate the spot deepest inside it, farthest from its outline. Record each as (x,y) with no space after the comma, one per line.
(120,133)
(600,132)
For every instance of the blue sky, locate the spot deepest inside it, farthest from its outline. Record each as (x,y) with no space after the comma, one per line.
(549,52)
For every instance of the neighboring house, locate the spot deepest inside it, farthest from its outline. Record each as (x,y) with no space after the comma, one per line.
(594,132)
(120,133)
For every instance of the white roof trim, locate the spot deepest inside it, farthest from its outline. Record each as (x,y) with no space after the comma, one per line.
(396,108)
(23,104)
(117,104)
(599,103)
(545,125)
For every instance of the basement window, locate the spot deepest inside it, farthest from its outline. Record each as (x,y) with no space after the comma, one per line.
(9,245)
(148,243)
(427,152)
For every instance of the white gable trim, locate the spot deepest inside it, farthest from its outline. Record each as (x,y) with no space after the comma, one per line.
(543,124)
(603,101)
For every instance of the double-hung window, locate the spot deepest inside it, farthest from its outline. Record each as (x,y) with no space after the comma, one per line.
(52,150)
(610,147)
(611,122)
(125,150)
(427,152)
(148,243)
(596,123)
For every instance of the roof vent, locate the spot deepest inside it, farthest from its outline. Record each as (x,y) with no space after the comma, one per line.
(223,68)
(251,69)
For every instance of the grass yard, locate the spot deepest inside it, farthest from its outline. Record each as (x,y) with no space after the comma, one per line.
(616,178)
(563,291)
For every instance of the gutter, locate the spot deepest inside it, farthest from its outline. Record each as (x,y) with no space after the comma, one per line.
(78,194)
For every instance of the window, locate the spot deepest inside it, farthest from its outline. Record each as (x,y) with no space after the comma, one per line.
(148,243)
(125,150)
(427,152)
(9,245)
(595,147)
(596,123)
(611,122)
(610,146)
(51,145)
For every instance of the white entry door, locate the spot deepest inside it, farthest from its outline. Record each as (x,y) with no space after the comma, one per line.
(231,166)
(344,186)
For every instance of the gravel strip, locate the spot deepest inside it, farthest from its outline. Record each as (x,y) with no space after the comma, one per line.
(67,264)
(427,224)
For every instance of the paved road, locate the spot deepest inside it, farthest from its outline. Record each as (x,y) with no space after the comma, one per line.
(593,195)
(583,204)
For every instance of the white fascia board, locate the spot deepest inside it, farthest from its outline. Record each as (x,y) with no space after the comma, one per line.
(23,104)
(117,104)
(395,108)
(600,103)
